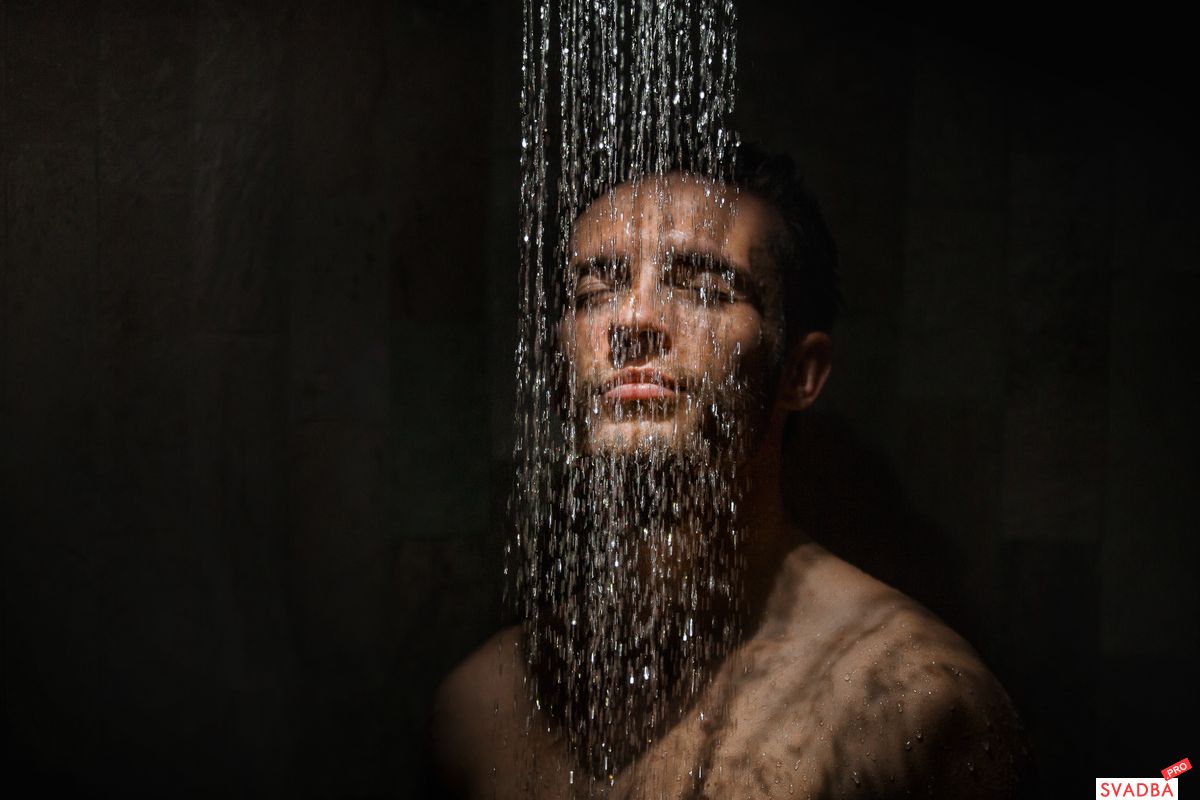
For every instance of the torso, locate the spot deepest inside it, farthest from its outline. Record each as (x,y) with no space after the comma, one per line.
(846,688)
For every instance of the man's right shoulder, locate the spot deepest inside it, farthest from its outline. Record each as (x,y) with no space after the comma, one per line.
(474,706)
(493,664)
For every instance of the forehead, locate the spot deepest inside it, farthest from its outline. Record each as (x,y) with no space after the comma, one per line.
(676,211)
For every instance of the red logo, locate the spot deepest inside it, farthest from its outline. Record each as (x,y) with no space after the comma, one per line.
(1177,769)
(1136,787)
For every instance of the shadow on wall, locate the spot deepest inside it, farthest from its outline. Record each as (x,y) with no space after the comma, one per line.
(848,498)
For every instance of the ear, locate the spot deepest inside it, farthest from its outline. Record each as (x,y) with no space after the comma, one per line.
(804,371)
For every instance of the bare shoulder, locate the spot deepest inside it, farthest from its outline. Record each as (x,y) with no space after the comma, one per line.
(473,712)
(850,687)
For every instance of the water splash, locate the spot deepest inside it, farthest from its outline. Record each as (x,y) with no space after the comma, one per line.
(624,563)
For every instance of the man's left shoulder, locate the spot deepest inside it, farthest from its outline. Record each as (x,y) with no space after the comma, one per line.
(868,690)
(931,709)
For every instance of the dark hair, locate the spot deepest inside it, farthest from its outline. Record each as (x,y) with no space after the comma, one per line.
(805,250)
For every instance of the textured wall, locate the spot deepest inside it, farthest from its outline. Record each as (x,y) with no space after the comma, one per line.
(257,298)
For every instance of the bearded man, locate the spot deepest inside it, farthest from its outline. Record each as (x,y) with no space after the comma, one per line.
(681,636)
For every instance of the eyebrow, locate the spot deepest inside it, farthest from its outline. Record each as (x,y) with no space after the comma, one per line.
(709,259)
(742,281)
(586,262)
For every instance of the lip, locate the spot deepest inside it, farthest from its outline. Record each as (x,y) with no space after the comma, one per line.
(639,384)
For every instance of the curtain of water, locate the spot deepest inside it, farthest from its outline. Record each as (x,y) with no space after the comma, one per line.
(612,93)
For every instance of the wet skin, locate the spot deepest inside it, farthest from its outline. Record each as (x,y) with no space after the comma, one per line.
(842,686)
(847,689)
(671,299)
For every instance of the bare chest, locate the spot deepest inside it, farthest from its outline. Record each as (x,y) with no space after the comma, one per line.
(729,741)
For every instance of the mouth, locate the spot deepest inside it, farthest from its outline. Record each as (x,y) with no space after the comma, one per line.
(632,385)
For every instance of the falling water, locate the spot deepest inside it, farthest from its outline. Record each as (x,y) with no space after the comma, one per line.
(625,560)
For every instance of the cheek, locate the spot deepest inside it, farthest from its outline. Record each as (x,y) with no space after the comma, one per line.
(745,329)
(727,342)
(584,339)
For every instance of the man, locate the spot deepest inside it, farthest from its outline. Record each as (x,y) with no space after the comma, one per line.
(700,645)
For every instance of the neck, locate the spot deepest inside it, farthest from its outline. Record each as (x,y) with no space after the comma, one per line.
(768,529)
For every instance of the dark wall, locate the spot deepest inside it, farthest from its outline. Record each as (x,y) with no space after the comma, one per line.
(257,305)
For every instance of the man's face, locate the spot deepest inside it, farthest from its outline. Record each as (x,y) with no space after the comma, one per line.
(671,327)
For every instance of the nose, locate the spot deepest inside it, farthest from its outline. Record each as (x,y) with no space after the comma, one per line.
(638,333)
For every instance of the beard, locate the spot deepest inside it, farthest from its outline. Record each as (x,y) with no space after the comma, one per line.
(636,580)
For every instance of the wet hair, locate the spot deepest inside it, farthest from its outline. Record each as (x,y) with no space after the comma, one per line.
(804,250)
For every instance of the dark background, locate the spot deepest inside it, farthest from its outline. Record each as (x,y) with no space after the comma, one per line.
(258,296)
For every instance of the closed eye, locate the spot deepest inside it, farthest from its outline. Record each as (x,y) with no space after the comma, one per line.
(597,278)
(707,277)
